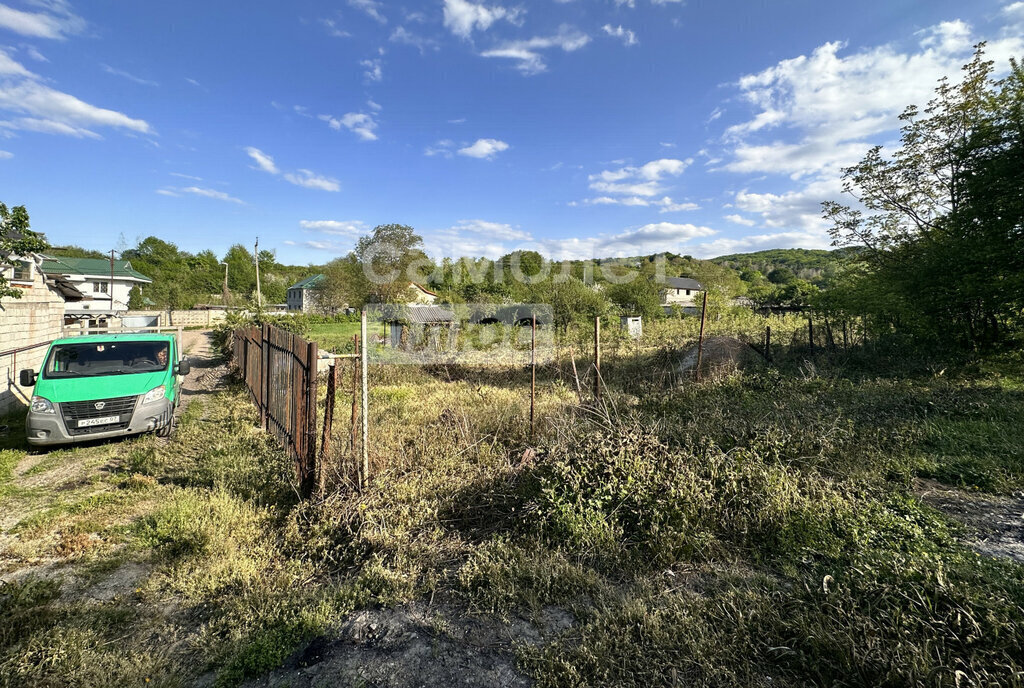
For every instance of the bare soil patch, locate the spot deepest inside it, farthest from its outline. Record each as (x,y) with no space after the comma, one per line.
(997,523)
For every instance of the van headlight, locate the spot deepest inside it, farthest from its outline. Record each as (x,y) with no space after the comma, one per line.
(41,405)
(154,394)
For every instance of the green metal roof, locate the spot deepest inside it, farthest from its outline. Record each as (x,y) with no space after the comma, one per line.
(127,336)
(90,266)
(308,283)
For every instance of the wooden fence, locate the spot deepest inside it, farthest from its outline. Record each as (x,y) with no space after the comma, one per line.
(279,370)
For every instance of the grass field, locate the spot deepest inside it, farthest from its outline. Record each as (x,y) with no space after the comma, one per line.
(334,337)
(760,529)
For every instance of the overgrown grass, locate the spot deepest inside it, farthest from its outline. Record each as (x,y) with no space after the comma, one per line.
(760,529)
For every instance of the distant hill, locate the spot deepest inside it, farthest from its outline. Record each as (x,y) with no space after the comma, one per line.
(808,264)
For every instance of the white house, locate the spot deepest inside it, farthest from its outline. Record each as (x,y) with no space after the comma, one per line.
(683,292)
(105,286)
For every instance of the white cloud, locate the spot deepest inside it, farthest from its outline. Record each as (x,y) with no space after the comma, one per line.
(57,22)
(403,36)
(131,77)
(186,176)
(643,181)
(371,8)
(311,180)
(373,69)
(6,155)
(198,191)
(484,149)
(263,161)
(740,220)
(799,208)
(494,230)
(348,228)
(33,53)
(10,67)
(815,114)
(360,123)
(301,177)
(625,35)
(333,29)
(526,52)
(444,148)
(665,204)
(645,240)
(462,17)
(47,110)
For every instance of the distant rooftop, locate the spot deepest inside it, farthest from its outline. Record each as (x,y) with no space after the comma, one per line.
(90,266)
(683,283)
(308,283)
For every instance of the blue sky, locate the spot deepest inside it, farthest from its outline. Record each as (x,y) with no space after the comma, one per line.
(580,128)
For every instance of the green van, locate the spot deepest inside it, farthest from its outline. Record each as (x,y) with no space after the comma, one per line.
(104,386)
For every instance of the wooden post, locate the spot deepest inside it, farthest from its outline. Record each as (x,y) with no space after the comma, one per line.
(700,339)
(366,427)
(575,374)
(768,343)
(810,333)
(325,440)
(264,374)
(533,373)
(597,358)
(309,415)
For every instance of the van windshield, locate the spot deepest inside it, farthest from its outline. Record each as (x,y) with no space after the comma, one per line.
(106,358)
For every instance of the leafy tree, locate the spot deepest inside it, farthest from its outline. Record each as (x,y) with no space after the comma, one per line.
(344,285)
(572,300)
(16,240)
(389,258)
(637,297)
(135,300)
(782,275)
(74,252)
(941,224)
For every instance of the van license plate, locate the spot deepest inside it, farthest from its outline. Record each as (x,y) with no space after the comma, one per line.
(106,420)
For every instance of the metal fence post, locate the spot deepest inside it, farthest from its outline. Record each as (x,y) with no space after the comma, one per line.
(366,427)
(597,358)
(533,373)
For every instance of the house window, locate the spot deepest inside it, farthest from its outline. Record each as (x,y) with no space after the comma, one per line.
(22,271)
(687,292)
(677,292)
(100,287)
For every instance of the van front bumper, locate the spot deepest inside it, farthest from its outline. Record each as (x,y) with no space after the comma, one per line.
(43,429)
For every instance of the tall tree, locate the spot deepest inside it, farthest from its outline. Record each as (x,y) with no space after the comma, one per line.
(17,240)
(391,258)
(941,218)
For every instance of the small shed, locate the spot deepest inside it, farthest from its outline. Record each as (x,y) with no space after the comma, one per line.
(414,324)
(632,325)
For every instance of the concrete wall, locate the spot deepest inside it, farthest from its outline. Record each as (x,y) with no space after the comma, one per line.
(179,318)
(35,318)
(679,297)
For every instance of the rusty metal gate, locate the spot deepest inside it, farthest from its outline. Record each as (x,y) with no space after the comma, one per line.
(279,370)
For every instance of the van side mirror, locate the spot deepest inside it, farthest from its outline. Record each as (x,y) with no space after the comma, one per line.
(184,367)
(27,377)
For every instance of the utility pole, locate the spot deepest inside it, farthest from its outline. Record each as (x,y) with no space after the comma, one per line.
(111,295)
(259,294)
(227,293)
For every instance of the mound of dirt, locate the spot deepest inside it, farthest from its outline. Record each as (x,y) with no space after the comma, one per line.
(721,357)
